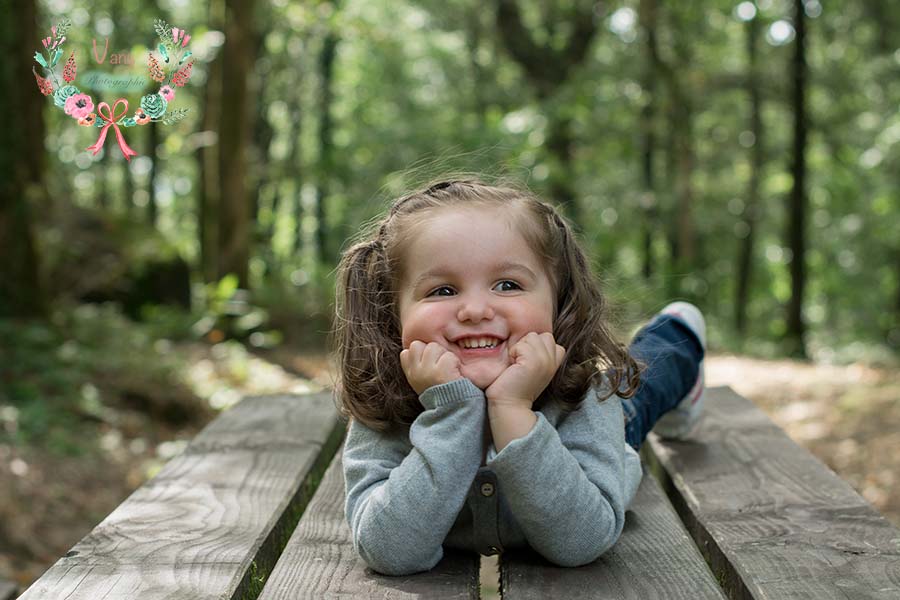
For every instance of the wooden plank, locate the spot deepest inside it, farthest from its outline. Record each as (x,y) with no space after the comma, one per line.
(319,560)
(654,558)
(213,521)
(772,520)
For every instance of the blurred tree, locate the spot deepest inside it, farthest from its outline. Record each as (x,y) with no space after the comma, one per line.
(547,67)
(235,125)
(207,155)
(649,201)
(796,234)
(752,209)
(21,162)
(326,248)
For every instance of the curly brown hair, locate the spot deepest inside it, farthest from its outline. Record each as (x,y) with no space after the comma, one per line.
(366,337)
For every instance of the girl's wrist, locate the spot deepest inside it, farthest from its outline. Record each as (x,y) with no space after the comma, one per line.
(509,422)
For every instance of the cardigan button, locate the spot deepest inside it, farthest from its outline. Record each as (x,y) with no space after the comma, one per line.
(487,490)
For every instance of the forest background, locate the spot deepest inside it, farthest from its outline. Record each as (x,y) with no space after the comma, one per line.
(741,155)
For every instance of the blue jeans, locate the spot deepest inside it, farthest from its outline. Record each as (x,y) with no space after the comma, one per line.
(672,354)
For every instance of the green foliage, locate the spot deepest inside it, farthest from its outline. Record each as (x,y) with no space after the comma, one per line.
(427,86)
(58,379)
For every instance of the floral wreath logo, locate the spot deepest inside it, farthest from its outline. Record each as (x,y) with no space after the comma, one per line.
(80,106)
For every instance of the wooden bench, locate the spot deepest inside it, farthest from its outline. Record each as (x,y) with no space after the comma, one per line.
(254,509)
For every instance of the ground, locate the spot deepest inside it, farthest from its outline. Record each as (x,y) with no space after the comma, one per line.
(848,416)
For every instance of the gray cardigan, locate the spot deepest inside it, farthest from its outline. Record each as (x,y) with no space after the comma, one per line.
(562,489)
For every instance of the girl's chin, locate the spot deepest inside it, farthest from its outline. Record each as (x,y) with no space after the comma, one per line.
(481,375)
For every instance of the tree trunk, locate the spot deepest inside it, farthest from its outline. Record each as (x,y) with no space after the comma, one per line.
(473,30)
(326,145)
(21,163)
(548,69)
(152,143)
(796,233)
(752,209)
(295,166)
(648,13)
(208,196)
(234,137)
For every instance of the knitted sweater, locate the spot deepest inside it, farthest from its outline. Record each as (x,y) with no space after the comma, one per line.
(562,489)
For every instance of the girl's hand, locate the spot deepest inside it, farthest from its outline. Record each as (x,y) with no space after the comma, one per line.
(428,365)
(536,358)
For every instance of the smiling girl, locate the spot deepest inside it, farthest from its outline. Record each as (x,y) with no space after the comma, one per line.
(485,392)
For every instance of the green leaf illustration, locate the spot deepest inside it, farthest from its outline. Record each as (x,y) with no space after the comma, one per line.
(162,29)
(63,27)
(184,58)
(175,116)
(56,56)
(162,50)
(38,57)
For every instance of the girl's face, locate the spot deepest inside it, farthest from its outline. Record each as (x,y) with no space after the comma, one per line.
(469,274)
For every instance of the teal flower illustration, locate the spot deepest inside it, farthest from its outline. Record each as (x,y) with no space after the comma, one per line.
(63,94)
(154,105)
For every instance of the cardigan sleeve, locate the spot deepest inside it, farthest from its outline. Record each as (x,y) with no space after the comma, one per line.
(569,486)
(403,495)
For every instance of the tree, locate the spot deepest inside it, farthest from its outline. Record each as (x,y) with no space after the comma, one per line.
(548,68)
(796,233)
(752,209)
(21,164)
(326,143)
(234,139)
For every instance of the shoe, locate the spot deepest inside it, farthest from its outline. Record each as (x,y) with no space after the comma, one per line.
(681,420)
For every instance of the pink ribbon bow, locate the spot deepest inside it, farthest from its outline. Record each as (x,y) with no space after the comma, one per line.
(111,119)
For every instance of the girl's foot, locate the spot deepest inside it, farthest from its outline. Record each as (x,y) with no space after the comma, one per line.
(681,420)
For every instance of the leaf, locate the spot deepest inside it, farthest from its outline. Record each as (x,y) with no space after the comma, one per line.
(162,30)
(185,57)
(175,116)
(38,57)
(63,27)
(162,50)
(56,56)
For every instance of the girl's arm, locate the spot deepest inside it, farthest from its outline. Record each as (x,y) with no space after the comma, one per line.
(403,495)
(569,487)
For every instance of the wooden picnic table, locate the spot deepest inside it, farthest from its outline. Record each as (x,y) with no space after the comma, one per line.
(253,508)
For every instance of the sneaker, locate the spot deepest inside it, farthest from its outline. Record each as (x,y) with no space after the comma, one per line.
(681,420)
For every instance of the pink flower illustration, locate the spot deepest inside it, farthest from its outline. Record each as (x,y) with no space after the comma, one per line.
(167,92)
(79,106)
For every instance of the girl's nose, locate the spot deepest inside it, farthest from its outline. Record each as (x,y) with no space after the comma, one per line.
(475,308)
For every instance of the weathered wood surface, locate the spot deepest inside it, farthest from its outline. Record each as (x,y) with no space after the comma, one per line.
(194,530)
(319,560)
(773,520)
(654,558)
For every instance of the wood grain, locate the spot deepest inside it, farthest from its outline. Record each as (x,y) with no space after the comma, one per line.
(772,520)
(654,558)
(319,560)
(215,517)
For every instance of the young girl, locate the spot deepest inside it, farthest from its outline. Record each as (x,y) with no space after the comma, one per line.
(484,388)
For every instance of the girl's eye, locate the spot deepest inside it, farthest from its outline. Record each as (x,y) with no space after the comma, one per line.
(435,291)
(515,286)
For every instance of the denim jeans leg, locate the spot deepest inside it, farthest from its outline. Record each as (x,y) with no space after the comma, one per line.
(672,354)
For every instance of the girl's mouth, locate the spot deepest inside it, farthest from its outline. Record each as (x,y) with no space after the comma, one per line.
(486,352)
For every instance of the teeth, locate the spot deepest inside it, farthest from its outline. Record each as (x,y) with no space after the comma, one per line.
(479,342)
